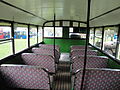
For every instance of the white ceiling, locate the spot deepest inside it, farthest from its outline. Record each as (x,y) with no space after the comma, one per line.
(99,7)
(64,10)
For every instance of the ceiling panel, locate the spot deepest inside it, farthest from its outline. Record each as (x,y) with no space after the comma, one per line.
(10,13)
(64,9)
(108,19)
(48,13)
(99,7)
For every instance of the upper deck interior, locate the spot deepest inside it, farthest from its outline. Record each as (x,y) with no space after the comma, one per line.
(63,23)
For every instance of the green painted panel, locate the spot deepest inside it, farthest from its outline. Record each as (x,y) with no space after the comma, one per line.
(65,43)
(65,47)
(113,64)
(65,32)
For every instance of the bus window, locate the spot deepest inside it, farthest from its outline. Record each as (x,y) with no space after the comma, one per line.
(75,24)
(78,33)
(5,48)
(5,32)
(110,40)
(98,37)
(1,35)
(33,35)
(58,31)
(6,45)
(66,23)
(39,34)
(57,23)
(91,37)
(20,37)
(49,32)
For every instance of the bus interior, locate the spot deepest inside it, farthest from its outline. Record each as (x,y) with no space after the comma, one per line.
(59,44)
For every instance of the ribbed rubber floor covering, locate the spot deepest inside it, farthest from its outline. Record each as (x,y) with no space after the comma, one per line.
(63,78)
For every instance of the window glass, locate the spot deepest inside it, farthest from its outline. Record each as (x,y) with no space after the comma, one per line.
(75,24)
(83,25)
(91,37)
(5,49)
(118,53)
(98,37)
(71,29)
(66,23)
(118,50)
(76,32)
(21,37)
(39,34)
(33,35)
(49,24)
(58,31)
(49,32)
(5,32)
(57,23)
(83,32)
(110,40)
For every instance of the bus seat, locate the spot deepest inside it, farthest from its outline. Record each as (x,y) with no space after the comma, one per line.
(44,61)
(82,52)
(98,79)
(50,46)
(92,62)
(47,52)
(26,77)
(52,49)
(79,47)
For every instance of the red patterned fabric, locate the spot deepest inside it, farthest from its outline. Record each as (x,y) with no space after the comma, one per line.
(78,47)
(27,77)
(44,61)
(82,52)
(50,46)
(98,79)
(47,52)
(92,62)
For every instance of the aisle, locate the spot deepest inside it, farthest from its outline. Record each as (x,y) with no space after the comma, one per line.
(63,78)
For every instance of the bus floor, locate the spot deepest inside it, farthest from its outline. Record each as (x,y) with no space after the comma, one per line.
(62,79)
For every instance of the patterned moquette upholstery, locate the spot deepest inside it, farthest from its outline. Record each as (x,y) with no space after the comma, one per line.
(56,52)
(98,79)
(47,52)
(27,77)
(82,52)
(92,62)
(50,46)
(44,61)
(77,47)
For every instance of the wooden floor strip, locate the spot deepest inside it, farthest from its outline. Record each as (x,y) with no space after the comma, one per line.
(63,78)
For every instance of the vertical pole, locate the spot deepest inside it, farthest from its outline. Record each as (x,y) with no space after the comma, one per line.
(43,33)
(29,35)
(102,38)
(13,42)
(37,34)
(54,35)
(71,24)
(79,26)
(87,39)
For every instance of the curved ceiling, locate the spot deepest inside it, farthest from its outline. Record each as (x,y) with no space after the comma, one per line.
(63,9)
(40,11)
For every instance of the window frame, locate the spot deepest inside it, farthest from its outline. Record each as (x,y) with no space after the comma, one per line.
(11,25)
